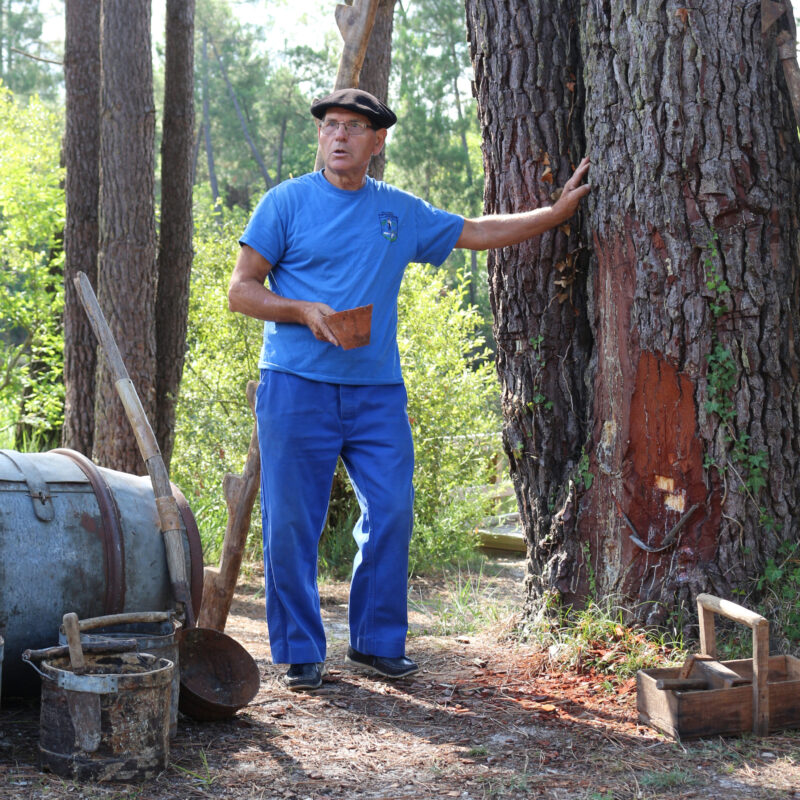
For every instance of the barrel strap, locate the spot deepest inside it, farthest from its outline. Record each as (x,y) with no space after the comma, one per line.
(37,485)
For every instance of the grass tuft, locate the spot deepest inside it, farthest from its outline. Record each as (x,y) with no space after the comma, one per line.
(597,639)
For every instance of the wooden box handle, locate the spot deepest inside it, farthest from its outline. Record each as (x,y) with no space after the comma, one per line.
(707,606)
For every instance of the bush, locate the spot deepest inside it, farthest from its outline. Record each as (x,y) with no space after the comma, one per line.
(454,415)
(31,292)
(213,422)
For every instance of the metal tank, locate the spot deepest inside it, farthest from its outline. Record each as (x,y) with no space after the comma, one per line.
(77,537)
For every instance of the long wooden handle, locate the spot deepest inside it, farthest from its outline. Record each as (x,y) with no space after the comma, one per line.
(168,512)
(134,617)
(707,606)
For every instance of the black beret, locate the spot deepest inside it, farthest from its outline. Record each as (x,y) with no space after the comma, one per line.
(380,115)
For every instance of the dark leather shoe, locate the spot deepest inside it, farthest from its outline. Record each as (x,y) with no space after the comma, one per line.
(301,677)
(387,667)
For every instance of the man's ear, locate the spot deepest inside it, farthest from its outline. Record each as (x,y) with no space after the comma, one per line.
(380,136)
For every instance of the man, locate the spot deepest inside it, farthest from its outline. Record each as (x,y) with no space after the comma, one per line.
(329,241)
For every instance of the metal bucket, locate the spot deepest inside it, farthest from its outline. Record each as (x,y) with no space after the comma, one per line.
(77,536)
(109,723)
(154,633)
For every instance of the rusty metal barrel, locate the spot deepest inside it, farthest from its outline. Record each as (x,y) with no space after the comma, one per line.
(80,537)
(108,722)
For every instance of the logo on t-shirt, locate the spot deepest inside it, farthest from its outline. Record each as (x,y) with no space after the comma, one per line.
(389,225)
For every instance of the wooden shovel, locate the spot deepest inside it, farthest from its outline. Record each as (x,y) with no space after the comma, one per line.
(168,513)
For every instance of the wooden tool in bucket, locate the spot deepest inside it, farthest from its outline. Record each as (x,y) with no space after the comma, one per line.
(241,681)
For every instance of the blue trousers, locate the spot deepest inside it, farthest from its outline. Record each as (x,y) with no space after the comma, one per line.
(303,428)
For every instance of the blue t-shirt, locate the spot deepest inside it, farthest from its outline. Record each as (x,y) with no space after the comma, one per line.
(346,249)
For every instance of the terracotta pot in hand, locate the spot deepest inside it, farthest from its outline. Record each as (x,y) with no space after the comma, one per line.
(352,326)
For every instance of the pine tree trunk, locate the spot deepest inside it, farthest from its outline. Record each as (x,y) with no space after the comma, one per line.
(212,172)
(525,57)
(81,154)
(376,68)
(666,464)
(127,257)
(175,241)
(695,299)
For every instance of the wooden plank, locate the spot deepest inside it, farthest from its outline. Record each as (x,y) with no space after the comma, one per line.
(729,609)
(686,669)
(717,675)
(760,675)
(682,684)
(506,537)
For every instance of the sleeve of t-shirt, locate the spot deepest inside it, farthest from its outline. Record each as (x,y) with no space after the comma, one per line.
(266,232)
(437,233)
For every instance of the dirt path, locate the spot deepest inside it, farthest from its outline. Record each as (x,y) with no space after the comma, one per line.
(485,718)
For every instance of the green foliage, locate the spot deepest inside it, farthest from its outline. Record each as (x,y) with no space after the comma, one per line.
(269,93)
(584,473)
(31,292)
(213,420)
(452,407)
(779,587)
(434,151)
(21,27)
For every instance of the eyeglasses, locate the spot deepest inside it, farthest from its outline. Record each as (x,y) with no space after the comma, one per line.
(352,127)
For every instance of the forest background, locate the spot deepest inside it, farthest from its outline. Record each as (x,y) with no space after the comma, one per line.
(257,67)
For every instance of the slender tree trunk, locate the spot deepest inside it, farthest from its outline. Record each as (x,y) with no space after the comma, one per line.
(212,172)
(525,57)
(81,153)
(175,242)
(279,156)
(268,182)
(473,256)
(127,257)
(376,68)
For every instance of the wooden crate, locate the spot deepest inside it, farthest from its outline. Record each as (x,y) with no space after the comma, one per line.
(719,712)
(769,701)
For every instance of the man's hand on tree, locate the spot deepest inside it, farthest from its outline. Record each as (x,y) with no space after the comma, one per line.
(573,191)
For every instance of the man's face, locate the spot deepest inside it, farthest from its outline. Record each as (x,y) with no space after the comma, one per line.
(345,152)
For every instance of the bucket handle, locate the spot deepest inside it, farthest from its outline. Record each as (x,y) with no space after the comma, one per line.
(33,657)
(123,619)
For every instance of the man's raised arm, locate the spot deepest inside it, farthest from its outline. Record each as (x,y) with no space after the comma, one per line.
(501,230)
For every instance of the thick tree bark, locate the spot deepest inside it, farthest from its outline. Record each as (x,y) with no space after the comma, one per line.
(695,299)
(667,462)
(175,241)
(376,68)
(127,256)
(527,84)
(81,154)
